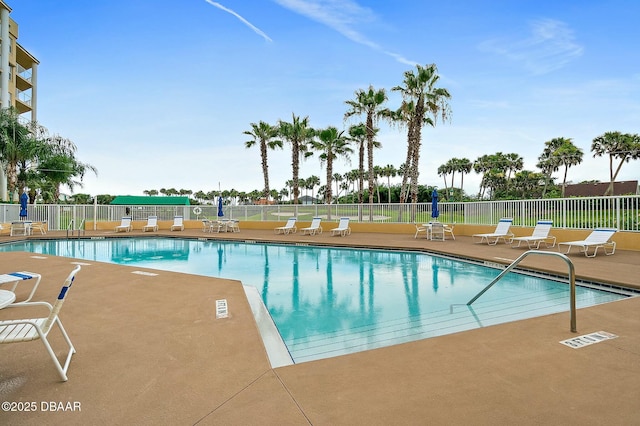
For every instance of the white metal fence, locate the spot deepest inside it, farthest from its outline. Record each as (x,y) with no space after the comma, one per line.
(622,212)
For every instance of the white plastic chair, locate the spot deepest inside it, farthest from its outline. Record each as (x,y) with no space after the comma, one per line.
(501,233)
(178,223)
(26,330)
(17,277)
(125,225)
(540,235)
(343,227)
(315,227)
(599,237)
(152,224)
(289,227)
(421,228)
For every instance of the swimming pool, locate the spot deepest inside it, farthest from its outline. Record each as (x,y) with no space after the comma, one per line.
(333,301)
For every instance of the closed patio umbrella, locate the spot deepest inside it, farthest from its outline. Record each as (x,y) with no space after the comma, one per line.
(434,204)
(220,212)
(24,199)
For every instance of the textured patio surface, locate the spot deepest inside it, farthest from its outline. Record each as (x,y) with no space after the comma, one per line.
(151,351)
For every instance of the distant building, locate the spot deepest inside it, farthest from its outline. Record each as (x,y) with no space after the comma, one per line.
(305,199)
(18,77)
(263,202)
(599,188)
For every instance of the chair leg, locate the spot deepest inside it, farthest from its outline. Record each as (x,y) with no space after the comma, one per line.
(62,370)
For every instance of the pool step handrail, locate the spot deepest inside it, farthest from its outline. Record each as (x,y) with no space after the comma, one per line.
(71,227)
(572,281)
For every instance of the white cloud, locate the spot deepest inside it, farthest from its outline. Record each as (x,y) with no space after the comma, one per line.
(550,46)
(342,16)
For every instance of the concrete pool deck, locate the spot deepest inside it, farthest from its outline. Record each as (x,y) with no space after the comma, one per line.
(151,351)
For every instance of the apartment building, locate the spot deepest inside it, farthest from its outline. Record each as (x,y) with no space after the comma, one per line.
(18,77)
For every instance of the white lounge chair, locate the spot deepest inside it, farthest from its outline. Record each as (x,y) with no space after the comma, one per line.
(314,228)
(178,223)
(26,330)
(501,233)
(152,224)
(540,235)
(125,225)
(290,226)
(343,227)
(17,277)
(599,237)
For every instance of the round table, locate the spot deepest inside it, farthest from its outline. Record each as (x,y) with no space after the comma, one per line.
(6,298)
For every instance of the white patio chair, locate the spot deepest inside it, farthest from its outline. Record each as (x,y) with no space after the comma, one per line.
(289,227)
(26,330)
(599,237)
(314,228)
(125,225)
(420,229)
(501,233)
(17,277)
(152,224)
(178,223)
(343,228)
(540,235)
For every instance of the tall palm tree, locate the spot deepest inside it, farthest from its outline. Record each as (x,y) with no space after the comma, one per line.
(423,103)
(370,104)
(389,171)
(16,145)
(623,147)
(568,155)
(337,178)
(298,133)
(332,144)
(443,171)
(358,134)
(263,134)
(310,183)
(464,167)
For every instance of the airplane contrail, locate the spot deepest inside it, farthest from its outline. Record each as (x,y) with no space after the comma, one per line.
(244,21)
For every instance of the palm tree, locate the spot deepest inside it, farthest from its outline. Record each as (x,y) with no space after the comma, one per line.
(389,171)
(377,171)
(620,146)
(443,171)
(337,177)
(59,169)
(422,104)
(298,134)
(310,183)
(370,104)
(264,134)
(358,134)
(463,166)
(16,145)
(332,144)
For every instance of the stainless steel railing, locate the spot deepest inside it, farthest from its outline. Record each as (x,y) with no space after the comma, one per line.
(572,281)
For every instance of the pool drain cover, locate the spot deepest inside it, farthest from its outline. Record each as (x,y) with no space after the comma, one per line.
(588,339)
(222,310)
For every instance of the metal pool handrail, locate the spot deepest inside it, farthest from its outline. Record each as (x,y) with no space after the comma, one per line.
(572,281)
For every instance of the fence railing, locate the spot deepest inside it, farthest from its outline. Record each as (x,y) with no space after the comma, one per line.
(621,212)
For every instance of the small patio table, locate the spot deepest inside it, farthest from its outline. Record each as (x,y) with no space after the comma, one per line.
(6,298)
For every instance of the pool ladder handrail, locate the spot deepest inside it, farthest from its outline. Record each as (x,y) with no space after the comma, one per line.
(572,281)
(70,227)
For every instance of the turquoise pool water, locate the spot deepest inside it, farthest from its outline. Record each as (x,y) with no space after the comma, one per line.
(333,301)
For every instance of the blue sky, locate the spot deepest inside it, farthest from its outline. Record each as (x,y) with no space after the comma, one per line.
(156,94)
